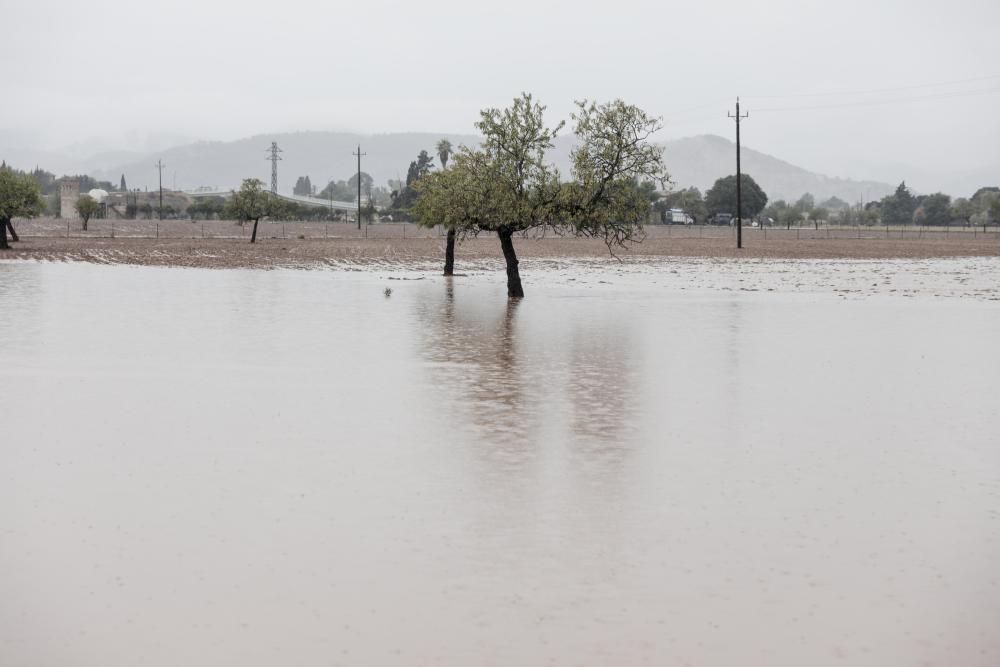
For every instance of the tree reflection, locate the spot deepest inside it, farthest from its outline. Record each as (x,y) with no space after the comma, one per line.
(473,351)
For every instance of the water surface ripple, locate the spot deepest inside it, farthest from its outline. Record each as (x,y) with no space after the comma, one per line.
(285,467)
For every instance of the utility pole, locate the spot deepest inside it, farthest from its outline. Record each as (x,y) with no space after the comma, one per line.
(739,185)
(359,154)
(159,165)
(274,150)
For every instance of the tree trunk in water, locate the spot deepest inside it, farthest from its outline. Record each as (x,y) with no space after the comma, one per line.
(514,289)
(3,236)
(13,232)
(449,254)
(253,237)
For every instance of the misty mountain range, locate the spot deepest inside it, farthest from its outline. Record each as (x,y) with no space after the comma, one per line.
(693,161)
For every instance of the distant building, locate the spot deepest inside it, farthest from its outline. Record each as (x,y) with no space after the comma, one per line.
(69,193)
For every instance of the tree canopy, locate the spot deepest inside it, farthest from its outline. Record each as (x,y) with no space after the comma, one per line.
(444,151)
(340,190)
(721,198)
(303,187)
(507,186)
(87,207)
(936,209)
(419,168)
(898,208)
(19,198)
(252,202)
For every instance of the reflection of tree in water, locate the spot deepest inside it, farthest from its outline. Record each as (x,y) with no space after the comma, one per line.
(603,405)
(21,326)
(474,356)
(601,381)
(501,389)
(546,407)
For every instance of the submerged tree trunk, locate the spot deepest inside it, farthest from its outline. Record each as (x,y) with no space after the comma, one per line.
(514,289)
(13,232)
(449,254)
(3,236)
(253,237)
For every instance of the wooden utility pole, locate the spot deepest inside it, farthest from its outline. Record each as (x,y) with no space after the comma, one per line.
(159,165)
(359,154)
(739,178)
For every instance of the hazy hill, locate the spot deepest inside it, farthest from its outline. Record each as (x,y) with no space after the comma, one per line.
(699,161)
(695,161)
(319,155)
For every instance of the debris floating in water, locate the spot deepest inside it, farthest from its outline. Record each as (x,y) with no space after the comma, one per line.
(387,291)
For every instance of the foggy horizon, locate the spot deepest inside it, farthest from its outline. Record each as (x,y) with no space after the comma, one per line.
(859,91)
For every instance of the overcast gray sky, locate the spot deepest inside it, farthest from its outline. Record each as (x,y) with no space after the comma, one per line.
(223,69)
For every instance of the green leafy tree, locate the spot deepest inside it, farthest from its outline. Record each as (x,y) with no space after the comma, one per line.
(872,214)
(988,192)
(961,209)
(507,186)
(251,202)
(303,186)
(936,209)
(806,203)
(366,183)
(20,197)
(995,210)
(418,169)
(721,198)
(790,215)
(340,190)
(983,202)
(898,208)
(616,168)
(87,207)
(818,214)
(775,210)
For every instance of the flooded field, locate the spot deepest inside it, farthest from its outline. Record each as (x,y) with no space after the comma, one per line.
(688,462)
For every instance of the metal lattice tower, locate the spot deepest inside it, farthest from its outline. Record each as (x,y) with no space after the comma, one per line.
(274,150)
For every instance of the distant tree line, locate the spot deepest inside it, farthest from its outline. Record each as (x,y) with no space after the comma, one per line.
(901,207)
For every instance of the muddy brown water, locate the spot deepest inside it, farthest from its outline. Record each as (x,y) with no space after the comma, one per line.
(289,467)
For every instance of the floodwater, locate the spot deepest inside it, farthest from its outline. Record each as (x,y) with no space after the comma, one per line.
(255,468)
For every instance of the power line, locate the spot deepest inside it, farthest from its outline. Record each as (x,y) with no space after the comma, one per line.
(882,90)
(676,117)
(895,100)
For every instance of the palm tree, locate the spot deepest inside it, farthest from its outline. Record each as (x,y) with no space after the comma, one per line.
(445,150)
